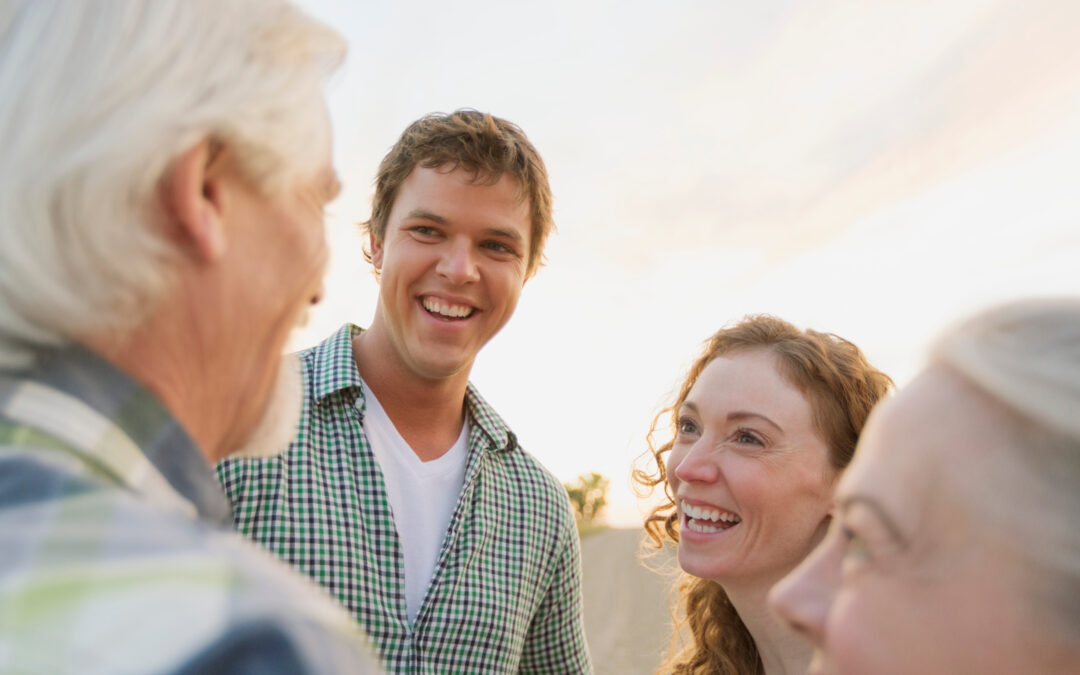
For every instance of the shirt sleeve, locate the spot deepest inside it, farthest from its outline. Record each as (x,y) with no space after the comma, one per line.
(556,639)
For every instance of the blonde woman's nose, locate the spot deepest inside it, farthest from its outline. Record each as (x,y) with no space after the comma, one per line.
(803,598)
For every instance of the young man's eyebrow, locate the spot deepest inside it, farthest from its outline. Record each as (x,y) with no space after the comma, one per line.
(506,234)
(424,214)
(848,502)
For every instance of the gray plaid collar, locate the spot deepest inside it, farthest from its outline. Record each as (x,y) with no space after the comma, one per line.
(115,409)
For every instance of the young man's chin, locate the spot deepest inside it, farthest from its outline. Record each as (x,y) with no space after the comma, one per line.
(280,419)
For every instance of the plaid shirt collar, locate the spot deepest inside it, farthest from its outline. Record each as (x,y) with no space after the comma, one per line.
(335,371)
(91,407)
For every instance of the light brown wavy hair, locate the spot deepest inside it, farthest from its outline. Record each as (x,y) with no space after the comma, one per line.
(484,145)
(841,387)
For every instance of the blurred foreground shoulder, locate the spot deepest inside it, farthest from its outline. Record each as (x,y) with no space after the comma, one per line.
(93,581)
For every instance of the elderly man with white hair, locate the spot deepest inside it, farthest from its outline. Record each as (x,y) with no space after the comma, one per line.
(164,170)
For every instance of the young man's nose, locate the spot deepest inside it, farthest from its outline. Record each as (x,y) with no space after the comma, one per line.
(802,599)
(457,263)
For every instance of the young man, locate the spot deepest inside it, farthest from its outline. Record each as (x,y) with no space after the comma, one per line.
(164,171)
(404,493)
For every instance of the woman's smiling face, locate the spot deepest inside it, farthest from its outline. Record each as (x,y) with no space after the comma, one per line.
(749,470)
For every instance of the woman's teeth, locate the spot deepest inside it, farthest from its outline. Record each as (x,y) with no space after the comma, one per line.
(699,517)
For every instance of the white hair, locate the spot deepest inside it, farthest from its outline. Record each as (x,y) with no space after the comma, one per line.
(1026,358)
(97,99)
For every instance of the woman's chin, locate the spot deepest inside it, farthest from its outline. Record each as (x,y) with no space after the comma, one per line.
(698,563)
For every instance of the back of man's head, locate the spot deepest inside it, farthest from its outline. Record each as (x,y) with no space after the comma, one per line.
(97,98)
(484,145)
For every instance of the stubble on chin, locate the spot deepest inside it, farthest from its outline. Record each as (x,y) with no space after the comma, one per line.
(281,417)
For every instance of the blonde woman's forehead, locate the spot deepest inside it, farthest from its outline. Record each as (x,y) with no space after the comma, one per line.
(925,453)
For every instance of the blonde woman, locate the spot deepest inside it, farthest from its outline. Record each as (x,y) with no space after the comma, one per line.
(956,547)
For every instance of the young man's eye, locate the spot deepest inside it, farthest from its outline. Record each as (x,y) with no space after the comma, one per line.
(499,247)
(424,231)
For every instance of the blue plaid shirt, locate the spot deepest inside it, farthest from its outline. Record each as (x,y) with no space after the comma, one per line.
(115,552)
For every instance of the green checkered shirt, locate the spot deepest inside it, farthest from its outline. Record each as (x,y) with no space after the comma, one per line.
(506,591)
(116,554)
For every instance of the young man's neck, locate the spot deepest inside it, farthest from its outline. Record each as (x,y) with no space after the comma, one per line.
(427,413)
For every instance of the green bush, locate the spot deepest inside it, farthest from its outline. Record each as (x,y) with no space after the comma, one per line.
(588,496)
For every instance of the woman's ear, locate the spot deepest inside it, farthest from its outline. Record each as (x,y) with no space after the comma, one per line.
(192,194)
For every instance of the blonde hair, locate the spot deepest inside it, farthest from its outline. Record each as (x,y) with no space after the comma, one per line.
(841,387)
(1025,357)
(97,98)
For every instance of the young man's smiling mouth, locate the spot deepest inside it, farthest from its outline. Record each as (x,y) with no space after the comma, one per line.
(444,309)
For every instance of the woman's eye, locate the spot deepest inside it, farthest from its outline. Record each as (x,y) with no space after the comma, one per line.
(687,426)
(856,552)
(746,437)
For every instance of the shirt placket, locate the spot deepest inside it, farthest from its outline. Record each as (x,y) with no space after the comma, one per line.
(458,547)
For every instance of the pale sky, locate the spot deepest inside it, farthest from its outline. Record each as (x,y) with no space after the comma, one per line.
(872,169)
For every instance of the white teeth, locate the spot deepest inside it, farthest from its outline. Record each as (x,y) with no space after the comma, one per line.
(446,309)
(705,513)
(701,527)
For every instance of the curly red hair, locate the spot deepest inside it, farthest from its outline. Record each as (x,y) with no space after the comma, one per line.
(841,387)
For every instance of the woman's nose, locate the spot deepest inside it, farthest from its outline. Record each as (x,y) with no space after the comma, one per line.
(802,599)
(698,465)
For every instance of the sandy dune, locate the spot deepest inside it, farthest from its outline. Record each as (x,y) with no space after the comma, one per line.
(627,619)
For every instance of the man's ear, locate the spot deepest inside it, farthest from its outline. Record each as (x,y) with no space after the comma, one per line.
(376,249)
(192,196)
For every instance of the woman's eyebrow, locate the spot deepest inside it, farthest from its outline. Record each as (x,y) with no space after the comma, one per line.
(746,414)
(850,501)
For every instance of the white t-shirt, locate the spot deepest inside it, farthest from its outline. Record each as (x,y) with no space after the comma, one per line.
(423,495)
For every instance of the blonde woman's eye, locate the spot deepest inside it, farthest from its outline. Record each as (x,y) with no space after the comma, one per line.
(856,552)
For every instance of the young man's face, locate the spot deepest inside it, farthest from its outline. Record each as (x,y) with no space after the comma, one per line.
(452,265)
